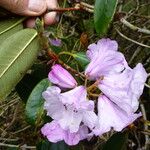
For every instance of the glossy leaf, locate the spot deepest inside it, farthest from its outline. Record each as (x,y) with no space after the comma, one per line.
(46,145)
(29,81)
(117,142)
(59,146)
(9,27)
(103,13)
(17,54)
(34,106)
(81,59)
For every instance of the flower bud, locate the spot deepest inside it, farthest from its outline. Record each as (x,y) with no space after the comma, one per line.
(61,77)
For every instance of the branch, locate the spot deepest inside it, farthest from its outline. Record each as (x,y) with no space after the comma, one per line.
(122,35)
(145,125)
(78,7)
(17,146)
(133,27)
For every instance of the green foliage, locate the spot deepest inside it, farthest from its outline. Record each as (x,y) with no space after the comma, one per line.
(34,106)
(46,145)
(30,80)
(59,146)
(117,142)
(9,26)
(17,54)
(43,145)
(81,58)
(103,13)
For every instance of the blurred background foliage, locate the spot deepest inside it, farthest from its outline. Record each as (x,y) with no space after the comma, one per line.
(20,123)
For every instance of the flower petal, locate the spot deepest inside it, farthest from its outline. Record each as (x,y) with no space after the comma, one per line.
(53,132)
(70,120)
(61,77)
(103,44)
(55,42)
(116,87)
(89,119)
(74,138)
(52,102)
(71,138)
(125,88)
(111,116)
(104,59)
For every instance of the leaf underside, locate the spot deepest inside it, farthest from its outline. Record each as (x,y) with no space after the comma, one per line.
(17,54)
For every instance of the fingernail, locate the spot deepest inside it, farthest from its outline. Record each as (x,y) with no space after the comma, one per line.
(57,18)
(36,5)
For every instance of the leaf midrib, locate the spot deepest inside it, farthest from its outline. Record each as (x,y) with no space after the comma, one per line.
(18,55)
(15,24)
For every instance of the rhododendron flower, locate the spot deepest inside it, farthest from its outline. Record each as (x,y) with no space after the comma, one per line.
(124,89)
(112,116)
(73,114)
(60,76)
(104,58)
(55,133)
(70,108)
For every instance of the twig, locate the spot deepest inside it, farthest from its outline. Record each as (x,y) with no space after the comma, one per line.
(60,10)
(141,16)
(21,130)
(17,146)
(137,139)
(145,133)
(148,86)
(133,27)
(134,55)
(8,105)
(145,126)
(71,69)
(12,121)
(7,139)
(78,7)
(125,37)
(135,15)
(87,5)
(56,58)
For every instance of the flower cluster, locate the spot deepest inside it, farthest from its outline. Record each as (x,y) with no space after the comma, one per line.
(73,113)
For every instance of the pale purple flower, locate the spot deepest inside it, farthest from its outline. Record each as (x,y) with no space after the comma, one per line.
(55,42)
(70,108)
(74,138)
(55,133)
(138,80)
(53,104)
(125,89)
(61,77)
(104,59)
(112,116)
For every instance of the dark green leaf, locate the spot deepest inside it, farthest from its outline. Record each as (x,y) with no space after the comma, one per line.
(17,54)
(56,49)
(59,146)
(29,81)
(34,106)
(103,13)
(46,145)
(81,59)
(117,142)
